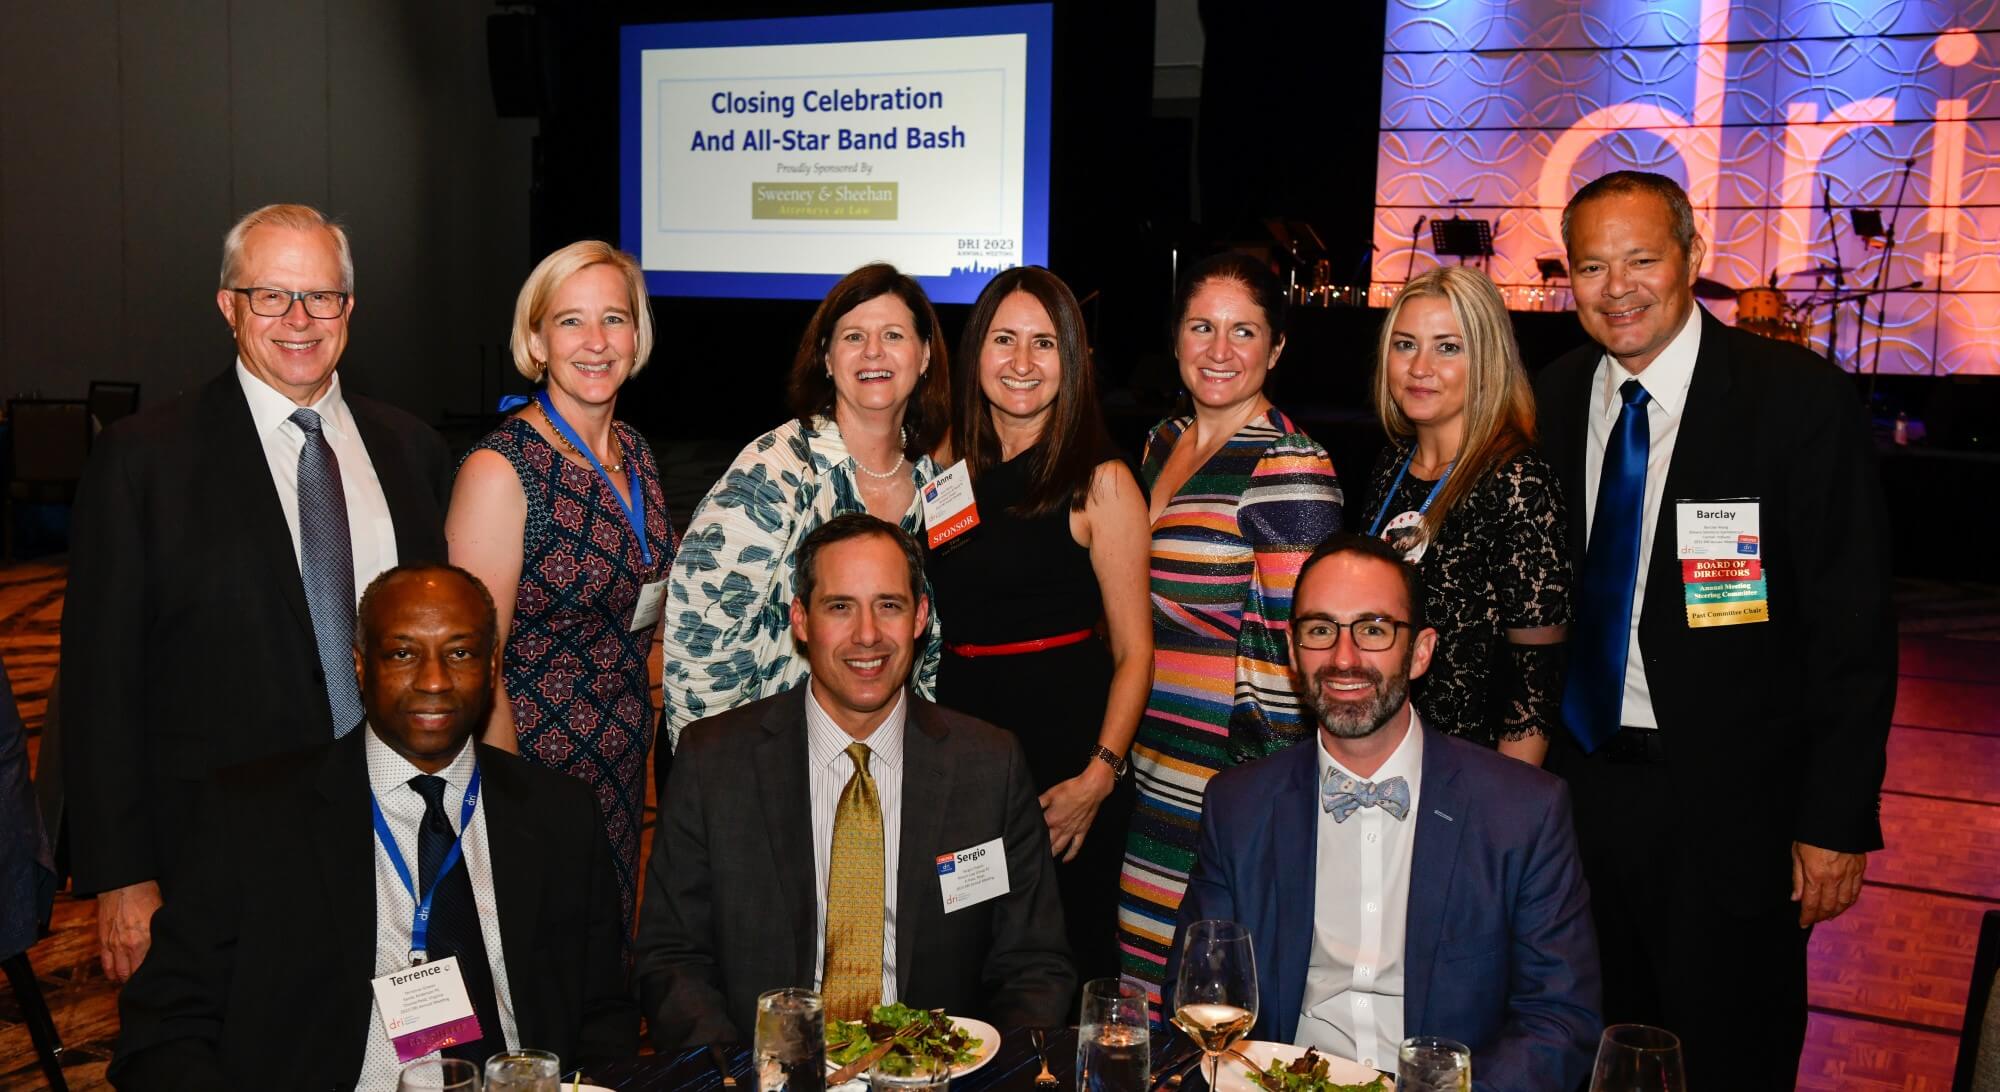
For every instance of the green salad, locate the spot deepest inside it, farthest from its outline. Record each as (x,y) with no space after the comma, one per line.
(1307,1073)
(848,1040)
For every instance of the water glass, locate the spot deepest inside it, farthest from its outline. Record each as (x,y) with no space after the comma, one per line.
(1112,1045)
(1426,1063)
(924,1075)
(1637,1058)
(438,1075)
(790,1045)
(523,1071)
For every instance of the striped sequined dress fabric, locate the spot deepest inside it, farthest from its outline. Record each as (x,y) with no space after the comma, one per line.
(1226,553)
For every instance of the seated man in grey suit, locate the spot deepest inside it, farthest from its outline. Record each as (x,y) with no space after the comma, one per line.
(849,836)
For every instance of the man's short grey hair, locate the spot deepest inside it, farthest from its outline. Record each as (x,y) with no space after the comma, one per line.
(1625,182)
(295,217)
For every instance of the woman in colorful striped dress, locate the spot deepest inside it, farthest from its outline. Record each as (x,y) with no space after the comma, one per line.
(1240,497)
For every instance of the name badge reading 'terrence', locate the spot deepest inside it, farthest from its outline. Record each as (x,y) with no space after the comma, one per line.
(425,1008)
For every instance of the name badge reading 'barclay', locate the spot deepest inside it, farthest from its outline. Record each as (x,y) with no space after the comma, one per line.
(1722,562)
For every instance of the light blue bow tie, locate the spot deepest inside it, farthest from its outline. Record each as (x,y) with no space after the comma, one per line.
(1343,796)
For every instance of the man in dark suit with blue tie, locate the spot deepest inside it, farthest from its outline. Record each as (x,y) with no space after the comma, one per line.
(1733,660)
(1397,881)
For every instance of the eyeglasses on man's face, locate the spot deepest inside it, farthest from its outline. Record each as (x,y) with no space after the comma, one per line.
(277,302)
(1372,633)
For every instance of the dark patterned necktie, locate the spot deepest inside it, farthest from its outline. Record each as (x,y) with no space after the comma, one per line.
(1594,698)
(454,928)
(326,564)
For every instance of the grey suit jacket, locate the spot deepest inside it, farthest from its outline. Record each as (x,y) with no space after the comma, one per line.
(730,905)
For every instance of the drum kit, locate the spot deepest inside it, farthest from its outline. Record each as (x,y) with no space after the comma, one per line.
(1766,309)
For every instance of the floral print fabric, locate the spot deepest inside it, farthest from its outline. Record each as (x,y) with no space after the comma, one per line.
(728,614)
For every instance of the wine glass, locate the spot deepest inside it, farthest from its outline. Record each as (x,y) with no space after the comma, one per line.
(1215,997)
(1426,1063)
(1111,1038)
(523,1071)
(1638,1058)
(790,1044)
(438,1075)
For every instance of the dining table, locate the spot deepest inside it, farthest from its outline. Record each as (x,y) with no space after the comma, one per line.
(1015,1066)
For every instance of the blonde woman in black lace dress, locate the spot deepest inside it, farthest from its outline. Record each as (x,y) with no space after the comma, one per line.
(1462,492)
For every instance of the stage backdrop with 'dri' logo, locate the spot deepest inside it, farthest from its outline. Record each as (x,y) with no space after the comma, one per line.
(1767,112)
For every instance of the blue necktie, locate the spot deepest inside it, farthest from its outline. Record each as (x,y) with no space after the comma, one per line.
(326,565)
(1343,796)
(454,924)
(1602,636)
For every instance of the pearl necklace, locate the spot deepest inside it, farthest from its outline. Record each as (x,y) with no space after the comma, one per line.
(886,475)
(903,439)
(615,468)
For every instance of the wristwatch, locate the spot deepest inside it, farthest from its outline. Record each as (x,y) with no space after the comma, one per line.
(1112,759)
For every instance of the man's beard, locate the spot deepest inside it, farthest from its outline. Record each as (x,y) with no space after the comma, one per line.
(1353,720)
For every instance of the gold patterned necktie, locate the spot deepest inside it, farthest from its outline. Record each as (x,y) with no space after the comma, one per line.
(853,980)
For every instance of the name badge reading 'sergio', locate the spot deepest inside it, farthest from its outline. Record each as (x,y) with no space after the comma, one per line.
(972,875)
(1722,564)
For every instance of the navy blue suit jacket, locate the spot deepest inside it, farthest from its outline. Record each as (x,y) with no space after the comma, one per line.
(1499,952)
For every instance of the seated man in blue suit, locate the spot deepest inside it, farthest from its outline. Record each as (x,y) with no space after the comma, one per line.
(1398,881)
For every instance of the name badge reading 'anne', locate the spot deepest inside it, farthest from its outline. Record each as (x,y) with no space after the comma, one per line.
(1722,563)
(949,510)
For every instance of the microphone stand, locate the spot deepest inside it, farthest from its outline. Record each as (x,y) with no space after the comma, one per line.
(1410,268)
(1882,274)
(1839,278)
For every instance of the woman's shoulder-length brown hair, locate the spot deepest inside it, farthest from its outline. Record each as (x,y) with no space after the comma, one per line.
(810,389)
(1074,440)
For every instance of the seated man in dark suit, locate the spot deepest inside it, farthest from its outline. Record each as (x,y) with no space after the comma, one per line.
(848,835)
(1398,881)
(300,914)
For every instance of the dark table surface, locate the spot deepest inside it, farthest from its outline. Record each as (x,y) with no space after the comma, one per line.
(1013,1067)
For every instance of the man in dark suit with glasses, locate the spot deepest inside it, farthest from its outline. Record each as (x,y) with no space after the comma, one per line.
(237,521)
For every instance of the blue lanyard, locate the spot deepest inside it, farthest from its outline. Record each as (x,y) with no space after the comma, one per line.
(1390,496)
(420,931)
(635,509)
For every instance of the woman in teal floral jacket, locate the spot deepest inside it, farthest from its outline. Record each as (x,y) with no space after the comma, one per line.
(870,389)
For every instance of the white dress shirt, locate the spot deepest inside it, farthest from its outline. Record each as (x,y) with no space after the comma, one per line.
(389,776)
(371,531)
(1666,379)
(829,769)
(1353,1004)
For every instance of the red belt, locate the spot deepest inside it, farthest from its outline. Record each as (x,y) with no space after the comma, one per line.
(1016,648)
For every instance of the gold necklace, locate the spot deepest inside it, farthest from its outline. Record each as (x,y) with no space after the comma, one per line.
(615,468)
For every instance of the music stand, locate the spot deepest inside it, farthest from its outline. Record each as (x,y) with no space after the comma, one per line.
(1551,269)
(1461,238)
(1868,223)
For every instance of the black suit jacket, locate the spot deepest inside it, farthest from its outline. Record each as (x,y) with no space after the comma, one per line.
(1777,729)
(259,971)
(731,908)
(184,600)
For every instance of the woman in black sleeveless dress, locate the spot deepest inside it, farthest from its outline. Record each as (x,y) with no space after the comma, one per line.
(1045,602)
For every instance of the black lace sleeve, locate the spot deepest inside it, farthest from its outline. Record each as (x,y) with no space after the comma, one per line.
(1531,577)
